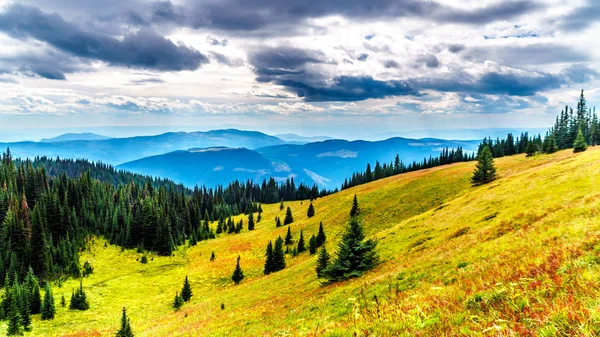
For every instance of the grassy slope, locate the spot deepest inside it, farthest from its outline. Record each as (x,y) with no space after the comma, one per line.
(527,247)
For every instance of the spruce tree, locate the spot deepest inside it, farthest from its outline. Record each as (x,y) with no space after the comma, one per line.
(355,210)
(79,299)
(212,255)
(22,296)
(125,329)
(281,205)
(15,327)
(485,171)
(301,248)
(579,145)
(238,274)
(269,259)
(288,217)
(312,245)
(322,262)
(311,211)
(355,255)
(178,302)
(321,238)
(288,237)
(48,309)
(531,149)
(278,255)
(277,222)
(250,222)
(186,291)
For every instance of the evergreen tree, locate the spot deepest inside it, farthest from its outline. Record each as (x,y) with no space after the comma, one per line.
(63,301)
(579,145)
(178,302)
(15,327)
(485,170)
(311,211)
(32,286)
(79,299)
(48,309)
(531,149)
(281,205)
(212,255)
(322,262)
(186,291)
(238,274)
(354,255)
(288,217)
(288,237)
(355,208)
(301,247)
(125,329)
(321,235)
(277,222)
(278,255)
(250,222)
(269,259)
(312,245)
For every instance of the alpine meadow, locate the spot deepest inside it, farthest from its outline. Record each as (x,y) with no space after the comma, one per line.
(294,168)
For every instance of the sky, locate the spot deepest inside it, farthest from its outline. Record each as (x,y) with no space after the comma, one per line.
(340,68)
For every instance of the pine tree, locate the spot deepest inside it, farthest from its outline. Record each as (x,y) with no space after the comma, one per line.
(288,237)
(301,248)
(321,238)
(579,145)
(531,149)
(238,274)
(79,299)
(312,245)
(485,170)
(354,255)
(269,259)
(125,329)
(288,217)
(63,301)
(281,205)
(178,302)
(277,222)
(22,296)
(212,255)
(48,309)
(250,222)
(322,262)
(278,255)
(311,211)
(15,327)
(355,208)
(186,291)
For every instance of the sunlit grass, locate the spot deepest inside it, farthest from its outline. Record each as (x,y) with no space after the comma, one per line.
(518,256)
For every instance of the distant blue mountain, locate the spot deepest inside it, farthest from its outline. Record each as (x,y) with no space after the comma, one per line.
(210,166)
(120,150)
(75,136)
(325,163)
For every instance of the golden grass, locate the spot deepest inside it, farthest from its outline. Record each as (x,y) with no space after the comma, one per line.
(518,256)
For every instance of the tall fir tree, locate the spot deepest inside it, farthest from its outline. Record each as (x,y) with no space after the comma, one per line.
(278,255)
(312,245)
(288,237)
(186,290)
(48,309)
(15,325)
(301,247)
(485,171)
(251,222)
(238,274)
(288,217)
(355,255)
(322,262)
(311,211)
(321,237)
(355,210)
(125,329)
(579,145)
(269,259)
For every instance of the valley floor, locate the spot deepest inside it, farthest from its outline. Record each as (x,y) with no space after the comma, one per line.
(519,256)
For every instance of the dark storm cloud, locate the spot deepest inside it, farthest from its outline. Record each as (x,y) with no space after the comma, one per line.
(51,65)
(582,17)
(143,49)
(252,16)
(276,62)
(348,88)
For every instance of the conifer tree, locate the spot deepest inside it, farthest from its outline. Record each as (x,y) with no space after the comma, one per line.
(355,255)
(277,222)
(321,238)
(238,274)
(355,210)
(288,237)
(212,255)
(32,286)
(278,255)
(186,291)
(178,302)
(301,248)
(125,329)
(485,171)
(250,222)
(531,149)
(79,299)
(63,301)
(22,297)
(48,309)
(269,259)
(322,262)
(281,205)
(312,245)
(15,327)
(288,217)
(579,145)
(311,211)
